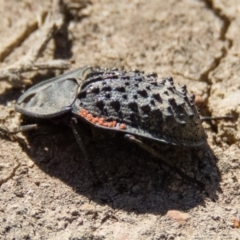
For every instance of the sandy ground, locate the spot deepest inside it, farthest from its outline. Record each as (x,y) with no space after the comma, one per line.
(46,191)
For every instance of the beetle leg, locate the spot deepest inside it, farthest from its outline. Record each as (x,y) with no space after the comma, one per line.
(226,117)
(88,161)
(5,132)
(163,159)
(73,124)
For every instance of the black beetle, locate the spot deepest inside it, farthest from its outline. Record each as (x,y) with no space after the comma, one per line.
(136,104)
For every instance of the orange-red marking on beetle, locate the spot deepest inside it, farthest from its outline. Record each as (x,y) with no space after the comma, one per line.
(100,121)
(83,112)
(122,126)
(95,120)
(89,117)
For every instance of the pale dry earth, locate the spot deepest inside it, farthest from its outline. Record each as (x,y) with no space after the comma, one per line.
(46,191)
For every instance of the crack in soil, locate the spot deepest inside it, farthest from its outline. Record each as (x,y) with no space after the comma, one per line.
(12,174)
(222,37)
(29,29)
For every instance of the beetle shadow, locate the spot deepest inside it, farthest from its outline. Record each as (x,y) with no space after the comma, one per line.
(132,179)
(9,95)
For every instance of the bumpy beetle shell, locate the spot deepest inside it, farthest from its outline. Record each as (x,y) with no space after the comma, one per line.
(129,102)
(141,105)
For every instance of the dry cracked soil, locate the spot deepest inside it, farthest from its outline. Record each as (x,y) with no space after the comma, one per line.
(46,191)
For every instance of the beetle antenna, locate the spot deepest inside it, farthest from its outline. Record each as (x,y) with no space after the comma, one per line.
(227,117)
